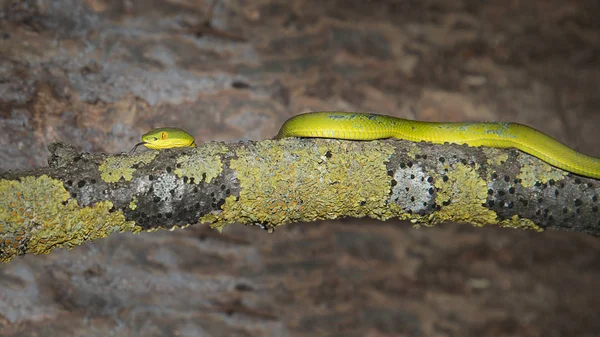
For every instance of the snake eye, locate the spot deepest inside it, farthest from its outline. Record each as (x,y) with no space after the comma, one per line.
(164,135)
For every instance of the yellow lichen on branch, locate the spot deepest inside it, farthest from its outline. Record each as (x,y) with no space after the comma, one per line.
(288,181)
(275,182)
(37,215)
(120,167)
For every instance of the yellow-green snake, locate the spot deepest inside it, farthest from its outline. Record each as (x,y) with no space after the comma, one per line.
(368,126)
(166,138)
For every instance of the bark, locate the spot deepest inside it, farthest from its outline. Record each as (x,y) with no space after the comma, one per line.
(83,196)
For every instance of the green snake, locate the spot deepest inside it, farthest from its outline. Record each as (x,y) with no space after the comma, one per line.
(368,126)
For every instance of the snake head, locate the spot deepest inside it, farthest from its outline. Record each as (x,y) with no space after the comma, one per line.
(165,138)
(154,138)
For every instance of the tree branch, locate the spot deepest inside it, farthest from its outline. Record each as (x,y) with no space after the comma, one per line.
(82,197)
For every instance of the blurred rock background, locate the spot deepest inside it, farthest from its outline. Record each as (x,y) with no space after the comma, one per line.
(99,73)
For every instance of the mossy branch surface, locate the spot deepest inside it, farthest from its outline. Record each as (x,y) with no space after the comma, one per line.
(81,197)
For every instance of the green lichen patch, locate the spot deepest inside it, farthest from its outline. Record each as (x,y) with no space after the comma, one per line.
(36,215)
(203,165)
(522,223)
(413,151)
(289,180)
(133,203)
(116,167)
(495,157)
(535,171)
(461,197)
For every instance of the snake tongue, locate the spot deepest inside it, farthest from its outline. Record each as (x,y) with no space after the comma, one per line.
(136,146)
